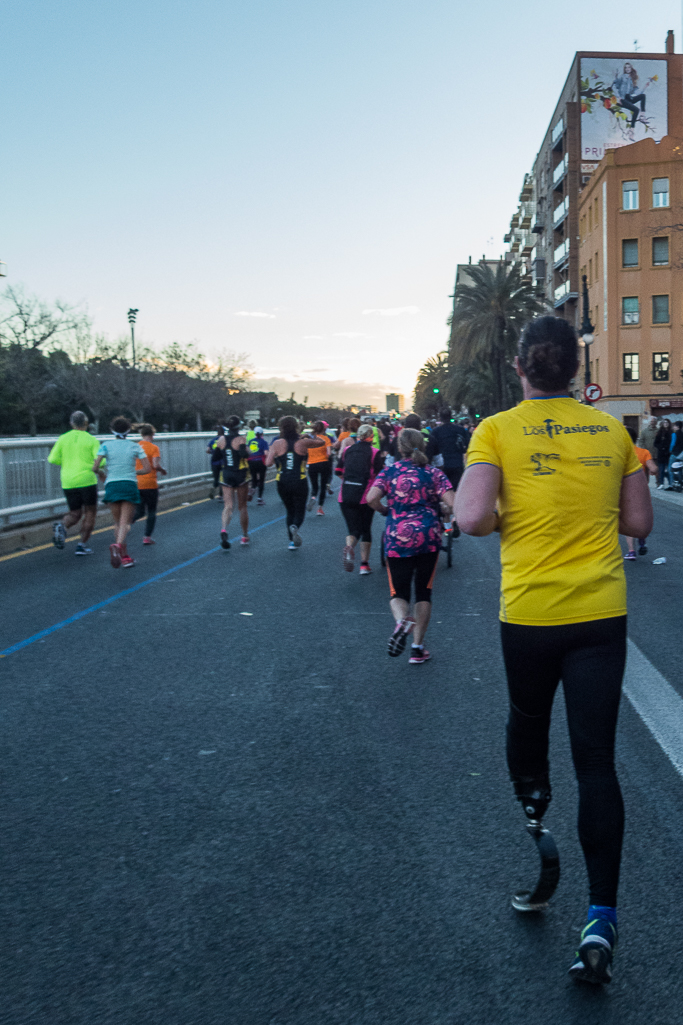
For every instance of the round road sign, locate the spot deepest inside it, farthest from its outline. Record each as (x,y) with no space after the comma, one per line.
(592,392)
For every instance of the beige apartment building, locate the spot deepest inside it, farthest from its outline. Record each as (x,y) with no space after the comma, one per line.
(630,228)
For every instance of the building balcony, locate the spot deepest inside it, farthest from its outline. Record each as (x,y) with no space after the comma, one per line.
(562,293)
(561,254)
(557,133)
(560,212)
(527,188)
(561,170)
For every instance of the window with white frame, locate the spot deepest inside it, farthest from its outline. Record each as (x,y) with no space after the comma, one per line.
(629,193)
(660,366)
(630,310)
(660,191)
(631,366)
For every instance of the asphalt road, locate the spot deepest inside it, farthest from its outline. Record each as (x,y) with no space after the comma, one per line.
(263,820)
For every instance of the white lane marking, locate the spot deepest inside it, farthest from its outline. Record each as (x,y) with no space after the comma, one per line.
(657,703)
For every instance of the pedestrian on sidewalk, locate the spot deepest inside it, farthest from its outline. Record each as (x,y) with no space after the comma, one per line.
(560,497)
(414,492)
(121,490)
(148,485)
(675,450)
(74,453)
(663,449)
(289,453)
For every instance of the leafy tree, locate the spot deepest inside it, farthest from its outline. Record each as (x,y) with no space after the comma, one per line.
(489,315)
(433,374)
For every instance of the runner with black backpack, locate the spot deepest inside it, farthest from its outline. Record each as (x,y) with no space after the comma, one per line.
(358,466)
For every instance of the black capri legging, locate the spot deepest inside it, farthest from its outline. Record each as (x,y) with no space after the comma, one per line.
(420,568)
(320,475)
(257,468)
(358,520)
(589,658)
(148,503)
(294,500)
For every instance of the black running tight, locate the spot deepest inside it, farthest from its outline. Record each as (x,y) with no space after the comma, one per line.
(589,658)
(294,500)
(258,476)
(148,504)
(320,475)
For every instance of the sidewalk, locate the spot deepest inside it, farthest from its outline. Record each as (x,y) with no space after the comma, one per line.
(673,497)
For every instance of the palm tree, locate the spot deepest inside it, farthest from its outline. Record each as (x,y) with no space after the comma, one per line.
(432,381)
(489,314)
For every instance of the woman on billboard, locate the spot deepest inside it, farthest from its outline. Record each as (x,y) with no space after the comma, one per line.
(626,88)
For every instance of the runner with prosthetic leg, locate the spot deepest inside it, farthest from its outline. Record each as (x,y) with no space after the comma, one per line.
(560,481)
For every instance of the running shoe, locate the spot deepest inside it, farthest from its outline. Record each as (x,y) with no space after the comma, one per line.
(593,961)
(297,540)
(321,512)
(642,549)
(250,494)
(329,490)
(260,502)
(348,557)
(148,541)
(397,641)
(82,549)
(115,555)
(244,540)
(224,539)
(365,569)
(418,655)
(58,534)
(291,546)
(127,561)
(310,503)
(630,556)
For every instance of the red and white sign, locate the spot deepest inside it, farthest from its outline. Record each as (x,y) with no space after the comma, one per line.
(592,392)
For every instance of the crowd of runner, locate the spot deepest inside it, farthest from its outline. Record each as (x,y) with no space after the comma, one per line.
(558,480)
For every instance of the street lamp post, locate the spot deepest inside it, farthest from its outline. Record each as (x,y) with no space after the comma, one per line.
(587,330)
(131,320)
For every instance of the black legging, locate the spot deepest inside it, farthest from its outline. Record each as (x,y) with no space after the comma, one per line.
(320,475)
(589,658)
(629,102)
(148,503)
(216,471)
(294,500)
(258,476)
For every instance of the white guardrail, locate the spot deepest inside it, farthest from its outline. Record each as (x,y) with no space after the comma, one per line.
(30,488)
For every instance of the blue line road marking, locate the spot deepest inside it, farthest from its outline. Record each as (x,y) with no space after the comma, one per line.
(122,594)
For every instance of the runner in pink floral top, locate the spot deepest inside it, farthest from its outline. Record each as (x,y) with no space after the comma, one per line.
(414,491)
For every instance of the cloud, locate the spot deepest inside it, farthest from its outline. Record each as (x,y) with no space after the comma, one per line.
(350,334)
(256,313)
(317,370)
(340,390)
(392,311)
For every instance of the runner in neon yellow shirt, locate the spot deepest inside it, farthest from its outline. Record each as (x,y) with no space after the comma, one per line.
(561,481)
(75,453)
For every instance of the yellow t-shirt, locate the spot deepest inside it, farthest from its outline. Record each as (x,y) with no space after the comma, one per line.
(562,465)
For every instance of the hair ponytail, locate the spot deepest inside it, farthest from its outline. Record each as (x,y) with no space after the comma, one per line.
(548,353)
(411,444)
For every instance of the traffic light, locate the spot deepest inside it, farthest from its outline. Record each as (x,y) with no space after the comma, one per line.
(435,390)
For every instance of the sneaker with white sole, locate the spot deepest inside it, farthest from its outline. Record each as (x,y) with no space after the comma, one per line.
(82,549)
(321,512)
(297,540)
(630,557)
(348,557)
(365,570)
(397,641)
(148,541)
(58,534)
(418,655)
(244,540)
(593,961)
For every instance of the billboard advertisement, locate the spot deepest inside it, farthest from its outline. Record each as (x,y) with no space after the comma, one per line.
(622,101)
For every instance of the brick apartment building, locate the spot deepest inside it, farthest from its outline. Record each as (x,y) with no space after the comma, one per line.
(631,251)
(610,103)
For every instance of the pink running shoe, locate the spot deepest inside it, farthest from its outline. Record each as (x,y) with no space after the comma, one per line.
(127,561)
(365,569)
(418,655)
(115,555)
(148,541)
(348,558)
(244,540)
(397,641)
(321,512)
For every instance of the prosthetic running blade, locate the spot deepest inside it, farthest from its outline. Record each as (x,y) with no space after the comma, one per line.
(537,899)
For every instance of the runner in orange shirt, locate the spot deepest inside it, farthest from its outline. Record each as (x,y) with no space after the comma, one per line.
(649,467)
(147,483)
(319,467)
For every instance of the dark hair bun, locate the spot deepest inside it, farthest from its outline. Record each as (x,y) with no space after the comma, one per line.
(548,353)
